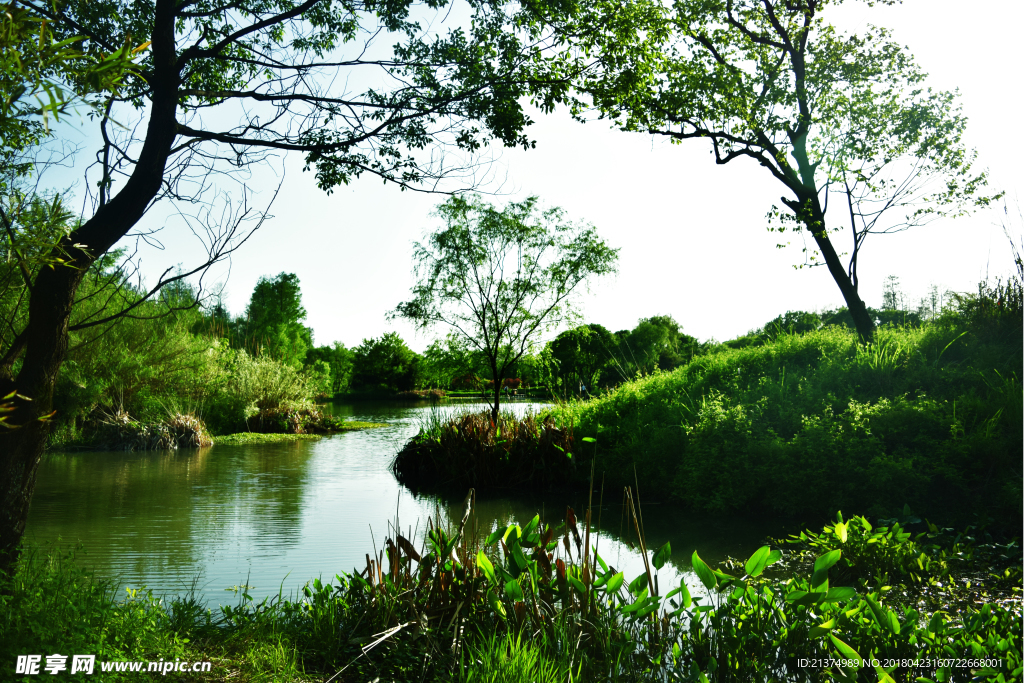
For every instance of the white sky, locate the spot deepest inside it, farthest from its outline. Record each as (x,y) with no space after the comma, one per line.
(692,234)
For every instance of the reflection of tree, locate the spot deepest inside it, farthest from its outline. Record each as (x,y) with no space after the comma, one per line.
(157,513)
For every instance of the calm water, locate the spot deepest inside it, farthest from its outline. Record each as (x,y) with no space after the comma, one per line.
(277,515)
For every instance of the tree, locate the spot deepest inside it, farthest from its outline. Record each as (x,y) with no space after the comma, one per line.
(499,278)
(384,364)
(829,116)
(273,320)
(338,359)
(448,358)
(223,86)
(582,354)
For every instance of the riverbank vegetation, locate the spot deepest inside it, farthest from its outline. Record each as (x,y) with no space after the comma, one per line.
(804,423)
(537,602)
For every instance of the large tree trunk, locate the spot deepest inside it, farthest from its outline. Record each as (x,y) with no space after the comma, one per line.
(861,318)
(497,395)
(808,209)
(53,295)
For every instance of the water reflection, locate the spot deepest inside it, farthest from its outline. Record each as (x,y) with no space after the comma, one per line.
(276,515)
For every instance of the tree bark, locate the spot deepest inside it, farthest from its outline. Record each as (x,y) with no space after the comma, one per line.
(497,394)
(53,295)
(858,310)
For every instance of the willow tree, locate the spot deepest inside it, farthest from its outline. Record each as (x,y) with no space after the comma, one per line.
(353,86)
(841,121)
(499,278)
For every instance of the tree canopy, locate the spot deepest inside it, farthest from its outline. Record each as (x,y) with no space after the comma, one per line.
(273,320)
(833,117)
(223,86)
(500,277)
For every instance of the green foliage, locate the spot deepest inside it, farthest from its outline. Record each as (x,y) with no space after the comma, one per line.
(825,113)
(272,323)
(499,278)
(473,450)
(339,362)
(42,75)
(808,424)
(385,365)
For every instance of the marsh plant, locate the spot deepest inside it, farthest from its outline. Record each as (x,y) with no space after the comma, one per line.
(536,601)
(472,449)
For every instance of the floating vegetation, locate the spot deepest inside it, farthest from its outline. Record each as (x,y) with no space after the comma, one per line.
(470,450)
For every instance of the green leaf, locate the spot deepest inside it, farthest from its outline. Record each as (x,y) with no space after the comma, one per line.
(839,594)
(758,561)
(805,599)
(661,557)
(495,535)
(615,583)
(495,603)
(827,560)
(589,439)
(638,584)
(822,628)
(687,600)
(847,651)
(704,573)
(576,583)
(518,557)
(513,591)
(485,566)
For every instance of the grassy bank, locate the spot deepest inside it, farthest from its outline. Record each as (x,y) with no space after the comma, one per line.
(530,603)
(808,424)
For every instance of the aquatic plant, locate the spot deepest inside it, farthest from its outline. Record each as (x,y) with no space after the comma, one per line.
(471,449)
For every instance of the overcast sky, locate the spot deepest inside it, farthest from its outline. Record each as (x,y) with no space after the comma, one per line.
(692,234)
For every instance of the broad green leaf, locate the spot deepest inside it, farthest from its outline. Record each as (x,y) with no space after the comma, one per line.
(495,603)
(758,561)
(485,566)
(773,557)
(615,583)
(827,560)
(528,529)
(704,573)
(840,529)
(839,594)
(518,557)
(847,651)
(495,535)
(822,629)
(576,583)
(589,439)
(513,591)
(687,600)
(804,598)
(662,555)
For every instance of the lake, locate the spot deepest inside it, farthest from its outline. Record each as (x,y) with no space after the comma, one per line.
(274,516)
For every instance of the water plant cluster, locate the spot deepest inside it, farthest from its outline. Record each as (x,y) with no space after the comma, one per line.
(472,450)
(538,602)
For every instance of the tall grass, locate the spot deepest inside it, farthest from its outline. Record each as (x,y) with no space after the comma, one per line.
(812,423)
